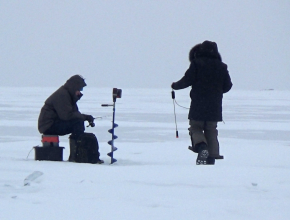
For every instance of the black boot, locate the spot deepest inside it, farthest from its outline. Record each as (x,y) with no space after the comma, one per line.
(100,161)
(73,149)
(192,149)
(210,161)
(202,153)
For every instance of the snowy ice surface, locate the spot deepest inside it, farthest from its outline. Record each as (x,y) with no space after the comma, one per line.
(155,176)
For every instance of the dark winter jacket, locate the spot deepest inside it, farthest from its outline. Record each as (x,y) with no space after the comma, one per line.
(209,79)
(62,104)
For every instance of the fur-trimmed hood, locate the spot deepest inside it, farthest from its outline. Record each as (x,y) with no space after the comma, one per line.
(205,49)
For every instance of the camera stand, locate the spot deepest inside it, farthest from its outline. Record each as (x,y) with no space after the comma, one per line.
(116,94)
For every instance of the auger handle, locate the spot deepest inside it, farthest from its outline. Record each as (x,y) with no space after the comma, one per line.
(107,105)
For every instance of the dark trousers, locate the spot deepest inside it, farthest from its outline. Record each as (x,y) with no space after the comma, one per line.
(205,131)
(74,127)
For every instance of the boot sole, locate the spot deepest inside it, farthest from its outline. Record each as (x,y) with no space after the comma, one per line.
(202,157)
(100,162)
(192,149)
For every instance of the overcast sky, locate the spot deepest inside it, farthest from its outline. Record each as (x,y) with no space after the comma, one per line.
(141,43)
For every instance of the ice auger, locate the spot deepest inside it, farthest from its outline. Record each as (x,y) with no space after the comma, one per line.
(117,93)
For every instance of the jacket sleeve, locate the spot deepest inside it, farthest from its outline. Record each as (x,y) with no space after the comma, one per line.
(227,85)
(65,109)
(186,80)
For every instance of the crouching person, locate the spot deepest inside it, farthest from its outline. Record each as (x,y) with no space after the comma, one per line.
(209,78)
(60,115)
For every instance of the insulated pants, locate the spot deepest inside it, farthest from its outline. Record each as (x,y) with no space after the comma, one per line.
(205,131)
(60,127)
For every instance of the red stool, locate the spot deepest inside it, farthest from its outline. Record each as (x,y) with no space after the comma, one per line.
(50,140)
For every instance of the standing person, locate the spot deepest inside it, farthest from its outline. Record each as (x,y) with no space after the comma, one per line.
(209,78)
(60,114)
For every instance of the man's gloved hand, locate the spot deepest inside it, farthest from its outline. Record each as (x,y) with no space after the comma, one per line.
(89,118)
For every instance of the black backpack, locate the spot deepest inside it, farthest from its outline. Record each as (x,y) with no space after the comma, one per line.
(87,149)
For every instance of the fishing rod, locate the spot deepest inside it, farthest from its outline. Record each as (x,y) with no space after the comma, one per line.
(173,99)
(175,102)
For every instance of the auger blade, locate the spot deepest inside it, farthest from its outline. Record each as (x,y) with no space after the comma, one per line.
(113,160)
(110,154)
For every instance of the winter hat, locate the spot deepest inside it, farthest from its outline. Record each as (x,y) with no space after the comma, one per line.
(209,48)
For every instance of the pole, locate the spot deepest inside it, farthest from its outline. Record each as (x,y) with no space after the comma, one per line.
(173,97)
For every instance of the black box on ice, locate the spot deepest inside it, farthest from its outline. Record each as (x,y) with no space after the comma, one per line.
(50,149)
(49,153)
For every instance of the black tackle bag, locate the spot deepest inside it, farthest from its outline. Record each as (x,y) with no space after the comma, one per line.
(87,148)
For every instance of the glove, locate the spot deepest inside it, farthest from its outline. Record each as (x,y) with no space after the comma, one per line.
(89,118)
(172,85)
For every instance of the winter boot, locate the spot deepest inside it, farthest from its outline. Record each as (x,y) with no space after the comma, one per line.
(202,153)
(100,161)
(73,149)
(210,161)
(193,149)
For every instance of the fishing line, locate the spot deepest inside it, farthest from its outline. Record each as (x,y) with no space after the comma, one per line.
(29,153)
(180,105)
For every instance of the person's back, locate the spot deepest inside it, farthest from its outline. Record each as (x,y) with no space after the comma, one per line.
(209,79)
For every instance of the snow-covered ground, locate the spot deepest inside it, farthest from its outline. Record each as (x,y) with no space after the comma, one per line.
(155,176)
